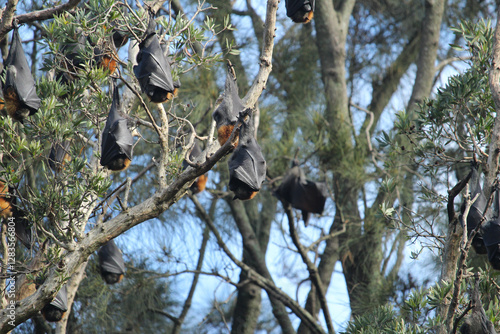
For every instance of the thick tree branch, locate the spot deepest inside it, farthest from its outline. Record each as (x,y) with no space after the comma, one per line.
(44,14)
(494,79)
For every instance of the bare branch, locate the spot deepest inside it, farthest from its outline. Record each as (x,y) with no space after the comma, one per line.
(39,15)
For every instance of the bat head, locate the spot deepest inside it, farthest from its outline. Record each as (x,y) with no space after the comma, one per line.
(52,313)
(111,278)
(200,184)
(300,11)
(241,190)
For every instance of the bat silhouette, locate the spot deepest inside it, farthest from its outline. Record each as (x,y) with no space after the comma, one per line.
(226,114)
(55,310)
(491,234)
(247,167)
(476,211)
(153,70)
(111,263)
(305,195)
(59,155)
(201,182)
(300,11)
(19,89)
(117,141)
(477,322)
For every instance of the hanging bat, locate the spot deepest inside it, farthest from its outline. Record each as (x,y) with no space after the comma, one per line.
(19,90)
(111,263)
(302,194)
(6,209)
(247,167)
(22,227)
(491,234)
(300,11)
(476,211)
(199,185)
(227,112)
(59,155)
(153,69)
(73,61)
(55,310)
(477,322)
(117,141)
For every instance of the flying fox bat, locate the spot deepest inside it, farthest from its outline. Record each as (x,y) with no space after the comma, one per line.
(119,39)
(302,194)
(476,211)
(247,167)
(55,310)
(117,141)
(73,61)
(227,112)
(19,89)
(22,227)
(111,263)
(477,322)
(153,69)
(59,155)
(300,11)
(201,182)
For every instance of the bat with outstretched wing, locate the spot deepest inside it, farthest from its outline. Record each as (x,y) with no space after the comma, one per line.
(226,114)
(305,195)
(153,70)
(300,11)
(247,166)
(111,263)
(117,140)
(19,89)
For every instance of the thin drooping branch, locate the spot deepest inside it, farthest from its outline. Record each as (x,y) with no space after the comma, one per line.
(189,299)
(494,79)
(266,57)
(462,267)
(261,281)
(311,267)
(39,15)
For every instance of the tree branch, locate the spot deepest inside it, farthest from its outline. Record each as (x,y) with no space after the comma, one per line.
(39,15)
(311,268)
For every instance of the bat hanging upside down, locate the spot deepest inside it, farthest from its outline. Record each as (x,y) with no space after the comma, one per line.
(117,140)
(226,114)
(19,90)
